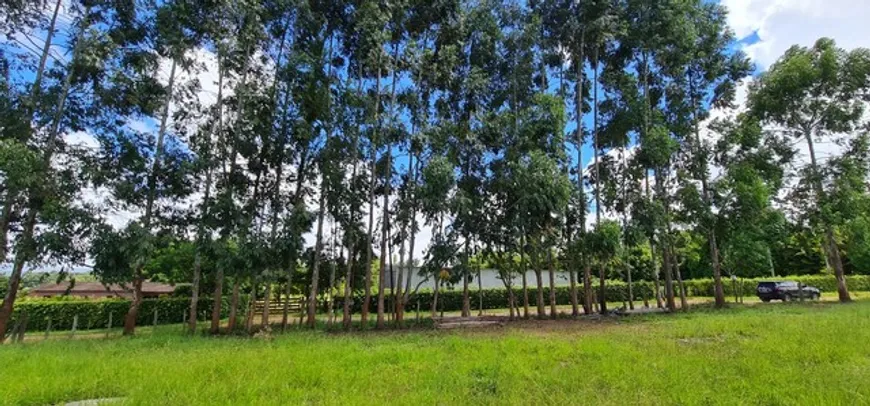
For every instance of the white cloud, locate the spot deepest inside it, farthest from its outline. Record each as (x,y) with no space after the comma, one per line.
(82,139)
(783,23)
(779,24)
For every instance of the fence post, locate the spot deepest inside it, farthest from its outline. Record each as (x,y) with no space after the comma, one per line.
(74,326)
(48,328)
(155,320)
(418,310)
(109,324)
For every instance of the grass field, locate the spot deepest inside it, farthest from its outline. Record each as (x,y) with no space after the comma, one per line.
(799,353)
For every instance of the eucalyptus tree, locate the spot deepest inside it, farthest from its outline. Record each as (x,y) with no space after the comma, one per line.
(707,72)
(352,115)
(753,162)
(468,100)
(21,19)
(279,114)
(436,189)
(649,27)
(47,201)
(389,134)
(850,199)
(367,35)
(604,246)
(619,172)
(814,94)
(176,32)
(204,144)
(501,233)
(518,89)
(576,26)
(320,44)
(545,190)
(421,58)
(245,22)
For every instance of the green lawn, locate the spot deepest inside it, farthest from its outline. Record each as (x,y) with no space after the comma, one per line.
(764,354)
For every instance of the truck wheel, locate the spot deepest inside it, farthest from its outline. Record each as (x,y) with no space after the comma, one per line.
(815,296)
(765,300)
(786,298)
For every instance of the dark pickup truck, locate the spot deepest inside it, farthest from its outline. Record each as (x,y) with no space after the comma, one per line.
(786,291)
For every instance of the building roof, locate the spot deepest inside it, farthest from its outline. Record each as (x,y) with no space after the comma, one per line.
(97,287)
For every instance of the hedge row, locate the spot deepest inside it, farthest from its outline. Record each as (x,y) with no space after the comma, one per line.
(94,314)
(617,291)
(825,283)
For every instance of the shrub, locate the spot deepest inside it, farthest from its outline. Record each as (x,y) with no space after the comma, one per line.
(617,291)
(94,314)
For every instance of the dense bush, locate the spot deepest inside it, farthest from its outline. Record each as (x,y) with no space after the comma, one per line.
(617,291)
(94,314)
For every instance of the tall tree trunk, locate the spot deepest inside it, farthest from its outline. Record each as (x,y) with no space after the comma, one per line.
(542,313)
(479,293)
(413,233)
(330,304)
(348,288)
(364,317)
(536,263)
(466,302)
(832,250)
(30,106)
(646,116)
(347,318)
(130,320)
(194,294)
(578,106)
(627,265)
(602,289)
(388,189)
(267,301)
(251,308)
(525,270)
(311,321)
(525,295)
(669,281)
(575,309)
(234,306)
(435,297)
(552,273)
(218,301)
(398,294)
(197,266)
(657,285)
(34,200)
(718,290)
(684,304)
(596,145)
(630,287)
(587,288)
(364,314)
(385,236)
(216,305)
(602,297)
(511,301)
